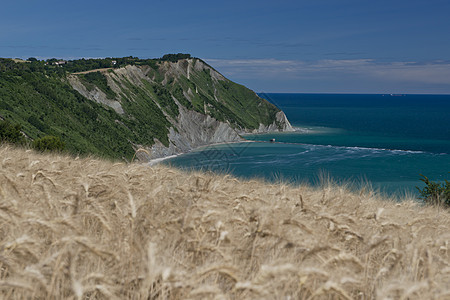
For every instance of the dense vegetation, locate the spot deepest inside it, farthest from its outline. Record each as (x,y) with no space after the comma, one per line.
(49,143)
(175,57)
(11,133)
(37,95)
(79,65)
(45,105)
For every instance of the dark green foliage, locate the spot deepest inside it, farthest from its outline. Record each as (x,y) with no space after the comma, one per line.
(8,65)
(435,192)
(177,92)
(48,143)
(11,133)
(5,106)
(33,120)
(175,57)
(153,63)
(37,95)
(99,80)
(164,99)
(81,65)
(144,115)
(11,67)
(46,105)
(71,66)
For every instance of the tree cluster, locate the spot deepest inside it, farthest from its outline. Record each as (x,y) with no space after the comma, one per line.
(48,143)
(11,133)
(175,57)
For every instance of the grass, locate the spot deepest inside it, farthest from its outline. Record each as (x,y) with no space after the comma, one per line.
(83,228)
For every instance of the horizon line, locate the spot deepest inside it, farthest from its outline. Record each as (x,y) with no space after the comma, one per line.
(357,93)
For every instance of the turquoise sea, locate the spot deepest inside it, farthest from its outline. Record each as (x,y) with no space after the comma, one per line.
(384,140)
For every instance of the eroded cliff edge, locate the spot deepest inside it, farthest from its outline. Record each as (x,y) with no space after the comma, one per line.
(196,105)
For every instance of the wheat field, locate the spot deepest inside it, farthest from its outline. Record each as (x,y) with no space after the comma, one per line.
(84,228)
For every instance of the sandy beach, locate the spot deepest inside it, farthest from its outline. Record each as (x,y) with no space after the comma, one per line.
(158,160)
(155,161)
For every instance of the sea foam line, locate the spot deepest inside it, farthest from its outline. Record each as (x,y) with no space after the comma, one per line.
(350,147)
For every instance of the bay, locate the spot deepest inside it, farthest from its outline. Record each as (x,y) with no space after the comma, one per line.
(385,141)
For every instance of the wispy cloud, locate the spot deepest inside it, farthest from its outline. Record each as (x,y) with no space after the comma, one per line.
(434,72)
(405,73)
(431,72)
(256,67)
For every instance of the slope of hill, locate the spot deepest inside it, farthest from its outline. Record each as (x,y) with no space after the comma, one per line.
(164,106)
(86,228)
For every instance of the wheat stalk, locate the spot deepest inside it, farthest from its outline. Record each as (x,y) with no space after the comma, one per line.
(81,228)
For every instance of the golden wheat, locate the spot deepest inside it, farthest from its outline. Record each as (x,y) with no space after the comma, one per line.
(82,228)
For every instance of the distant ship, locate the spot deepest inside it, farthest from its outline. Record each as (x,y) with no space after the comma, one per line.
(396,95)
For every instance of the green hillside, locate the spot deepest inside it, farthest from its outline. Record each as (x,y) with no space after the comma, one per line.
(38,96)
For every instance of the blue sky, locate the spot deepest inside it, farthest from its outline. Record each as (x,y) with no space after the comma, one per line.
(320,46)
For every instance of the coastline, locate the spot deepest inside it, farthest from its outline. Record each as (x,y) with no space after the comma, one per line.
(241,136)
(155,161)
(295,129)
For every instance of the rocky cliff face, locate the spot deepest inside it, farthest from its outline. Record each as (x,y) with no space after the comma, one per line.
(200,105)
(281,123)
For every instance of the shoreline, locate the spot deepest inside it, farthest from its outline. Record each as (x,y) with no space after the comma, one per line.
(155,161)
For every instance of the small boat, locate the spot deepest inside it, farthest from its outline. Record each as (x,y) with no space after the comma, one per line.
(272,140)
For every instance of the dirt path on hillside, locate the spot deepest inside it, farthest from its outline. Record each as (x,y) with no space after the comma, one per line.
(91,71)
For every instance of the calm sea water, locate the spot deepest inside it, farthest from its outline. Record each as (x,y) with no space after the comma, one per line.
(384,140)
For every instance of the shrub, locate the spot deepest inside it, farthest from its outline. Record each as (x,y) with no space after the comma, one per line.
(435,192)
(48,143)
(11,133)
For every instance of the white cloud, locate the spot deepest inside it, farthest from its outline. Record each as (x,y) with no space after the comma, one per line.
(255,67)
(250,62)
(341,64)
(431,73)
(404,73)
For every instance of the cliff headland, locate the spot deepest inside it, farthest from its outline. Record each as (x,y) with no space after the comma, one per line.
(112,107)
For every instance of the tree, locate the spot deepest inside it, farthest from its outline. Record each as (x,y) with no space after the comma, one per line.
(49,143)
(175,57)
(11,133)
(434,192)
